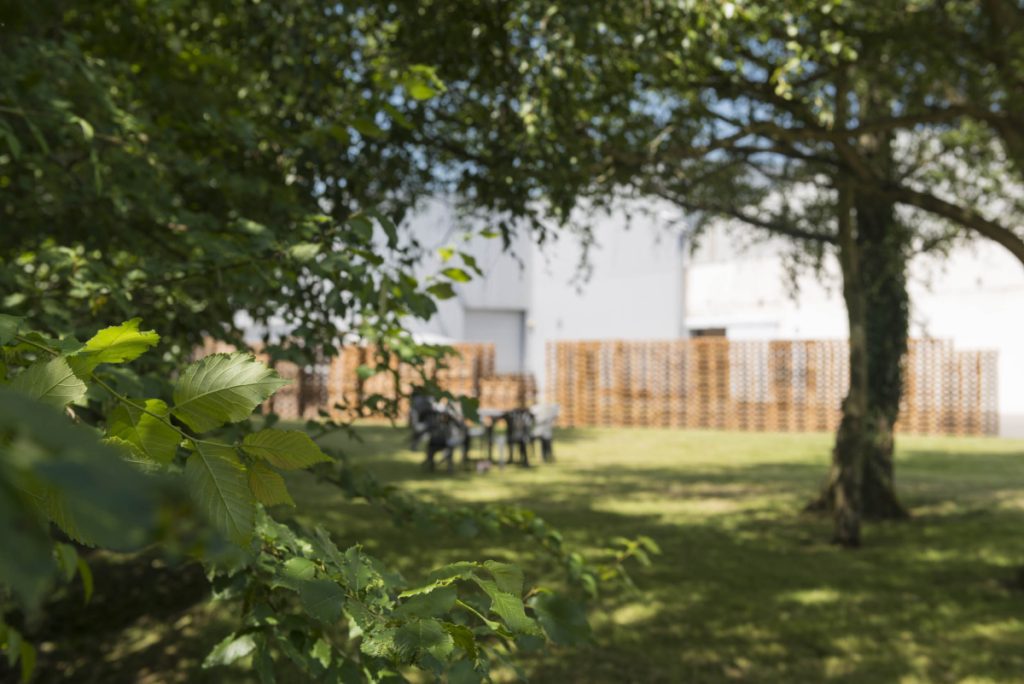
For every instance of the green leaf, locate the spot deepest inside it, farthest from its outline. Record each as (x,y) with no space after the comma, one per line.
(434,603)
(563,619)
(463,638)
(222,388)
(9,327)
(508,577)
(441,290)
(117,344)
(357,572)
(217,481)
(322,599)
(52,382)
(420,90)
(322,652)
(304,251)
(463,672)
(285,449)
(87,130)
(67,558)
(420,636)
(294,572)
(379,643)
(85,572)
(26,574)
(12,643)
(231,649)
(367,127)
(263,663)
(508,607)
(153,439)
(28,661)
(445,253)
(362,226)
(457,274)
(268,487)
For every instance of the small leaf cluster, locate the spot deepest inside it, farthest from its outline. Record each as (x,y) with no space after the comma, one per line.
(84,451)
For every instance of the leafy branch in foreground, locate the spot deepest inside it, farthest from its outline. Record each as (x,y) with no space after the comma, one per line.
(111,470)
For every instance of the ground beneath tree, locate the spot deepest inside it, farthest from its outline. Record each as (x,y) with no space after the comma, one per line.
(747,590)
(147,621)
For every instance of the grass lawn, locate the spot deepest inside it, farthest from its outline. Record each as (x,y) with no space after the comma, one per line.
(746,589)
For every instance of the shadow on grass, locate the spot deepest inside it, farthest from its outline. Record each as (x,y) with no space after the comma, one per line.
(746,589)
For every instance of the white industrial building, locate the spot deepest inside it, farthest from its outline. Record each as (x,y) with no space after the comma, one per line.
(645,282)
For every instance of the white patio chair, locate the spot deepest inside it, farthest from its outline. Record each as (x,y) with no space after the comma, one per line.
(545,416)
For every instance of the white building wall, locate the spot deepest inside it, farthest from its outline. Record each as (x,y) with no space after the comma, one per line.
(642,285)
(634,289)
(975,298)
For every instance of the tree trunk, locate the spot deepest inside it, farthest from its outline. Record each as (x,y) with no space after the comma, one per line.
(883,244)
(846,486)
(874,262)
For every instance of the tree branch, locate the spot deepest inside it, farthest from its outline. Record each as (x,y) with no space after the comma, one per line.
(965,216)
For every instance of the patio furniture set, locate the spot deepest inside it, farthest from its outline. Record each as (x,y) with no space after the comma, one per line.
(500,434)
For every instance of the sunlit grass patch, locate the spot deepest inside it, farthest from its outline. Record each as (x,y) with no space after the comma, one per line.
(747,588)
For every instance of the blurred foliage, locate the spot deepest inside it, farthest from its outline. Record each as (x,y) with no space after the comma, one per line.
(190,163)
(135,472)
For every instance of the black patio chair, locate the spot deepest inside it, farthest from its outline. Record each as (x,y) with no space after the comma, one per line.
(446,431)
(519,433)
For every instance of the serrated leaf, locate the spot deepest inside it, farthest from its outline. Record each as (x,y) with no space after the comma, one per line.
(217,481)
(430,604)
(152,438)
(117,344)
(222,388)
(52,382)
(231,649)
(508,607)
(508,577)
(25,575)
(357,572)
(285,449)
(322,599)
(379,643)
(463,672)
(563,619)
(9,327)
(463,638)
(268,487)
(427,636)
(294,572)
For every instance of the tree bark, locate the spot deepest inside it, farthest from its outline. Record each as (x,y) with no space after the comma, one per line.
(883,244)
(873,249)
(844,494)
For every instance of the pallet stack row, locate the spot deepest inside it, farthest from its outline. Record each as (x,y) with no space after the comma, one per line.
(786,386)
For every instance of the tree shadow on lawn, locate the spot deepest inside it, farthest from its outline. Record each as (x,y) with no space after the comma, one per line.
(727,605)
(752,591)
(146,622)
